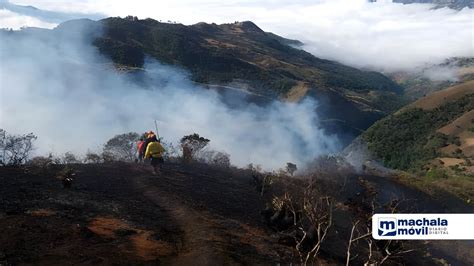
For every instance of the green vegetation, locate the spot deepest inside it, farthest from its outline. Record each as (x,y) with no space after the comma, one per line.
(408,140)
(436,173)
(438,180)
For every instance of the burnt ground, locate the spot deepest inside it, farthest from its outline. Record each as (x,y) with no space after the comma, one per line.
(120,214)
(187,215)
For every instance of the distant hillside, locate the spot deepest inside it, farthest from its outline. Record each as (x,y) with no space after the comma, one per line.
(243,56)
(455,4)
(430,142)
(241,53)
(223,53)
(440,125)
(433,78)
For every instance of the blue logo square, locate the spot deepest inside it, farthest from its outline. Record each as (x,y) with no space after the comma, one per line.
(387,226)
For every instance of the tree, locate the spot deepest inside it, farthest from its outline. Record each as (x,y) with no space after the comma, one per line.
(69,158)
(221,159)
(194,143)
(121,147)
(92,158)
(15,149)
(216,158)
(291,168)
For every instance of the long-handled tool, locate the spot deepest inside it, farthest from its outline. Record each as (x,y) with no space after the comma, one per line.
(156,128)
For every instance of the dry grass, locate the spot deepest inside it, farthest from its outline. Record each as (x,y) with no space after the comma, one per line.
(141,242)
(459,125)
(466,71)
(42,213)
(451,161)
(297,92)
(459,128)
(439,98)
(216,43)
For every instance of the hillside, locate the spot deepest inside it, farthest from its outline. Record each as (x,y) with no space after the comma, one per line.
(418,127)
(421,82)
(432,137)
(455,4)
(120,214)
(223,53)
(243,55)
(198,214)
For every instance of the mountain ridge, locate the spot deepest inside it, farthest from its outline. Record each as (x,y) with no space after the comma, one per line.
(267,64)
(454,4)
(242,54)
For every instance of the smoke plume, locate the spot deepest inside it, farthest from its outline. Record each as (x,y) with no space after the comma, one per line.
(60,88)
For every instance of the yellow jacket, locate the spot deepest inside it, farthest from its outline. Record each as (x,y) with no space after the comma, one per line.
(154,149)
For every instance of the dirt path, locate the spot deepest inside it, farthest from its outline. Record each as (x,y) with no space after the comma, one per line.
(199,235)
(210,236)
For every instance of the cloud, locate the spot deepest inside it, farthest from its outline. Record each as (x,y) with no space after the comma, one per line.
(384,36)
(16,16)
(442,73)
(15,21)
(74,100)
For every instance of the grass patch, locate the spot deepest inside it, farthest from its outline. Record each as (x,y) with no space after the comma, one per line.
(436,173)
(459,185)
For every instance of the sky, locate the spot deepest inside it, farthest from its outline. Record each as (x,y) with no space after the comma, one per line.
(383,36)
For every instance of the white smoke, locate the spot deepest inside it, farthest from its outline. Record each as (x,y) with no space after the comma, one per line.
(442,73)
(65,92)
(383,36)
(12,20)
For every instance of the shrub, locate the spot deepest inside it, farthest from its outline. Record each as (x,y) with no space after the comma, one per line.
(42,162)
(69,158)
(121,148)
(468,162)
(15,149)
(457,169)
(436,173)
(291,168)
(217,158)
(171,151)
(92,158)
(193,144)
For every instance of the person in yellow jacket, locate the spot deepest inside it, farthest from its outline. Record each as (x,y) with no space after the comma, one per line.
(154,151)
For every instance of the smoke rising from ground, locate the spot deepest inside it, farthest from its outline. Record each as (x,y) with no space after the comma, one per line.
(383,36)
(60,88)
(442,73)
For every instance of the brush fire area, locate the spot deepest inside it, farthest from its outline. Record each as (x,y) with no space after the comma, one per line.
(118,213)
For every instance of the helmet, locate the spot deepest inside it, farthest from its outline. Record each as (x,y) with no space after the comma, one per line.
(150,134)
